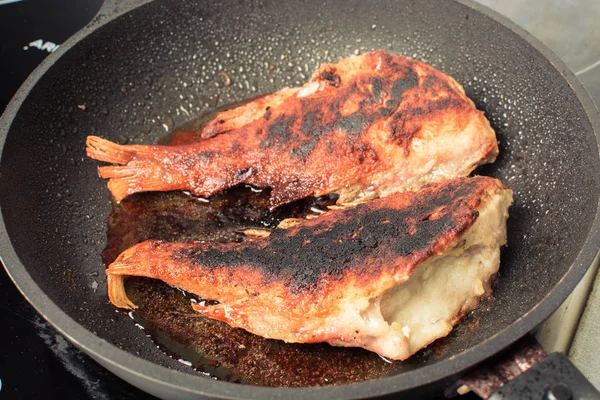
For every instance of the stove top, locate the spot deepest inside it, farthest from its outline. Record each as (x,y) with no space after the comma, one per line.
(37,361)
(569,28)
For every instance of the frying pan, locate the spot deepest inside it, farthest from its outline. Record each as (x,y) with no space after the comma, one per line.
(141,68)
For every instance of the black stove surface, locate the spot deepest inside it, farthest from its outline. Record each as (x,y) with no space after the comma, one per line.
(35,360)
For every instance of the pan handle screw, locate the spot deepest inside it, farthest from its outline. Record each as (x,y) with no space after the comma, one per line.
(559,391)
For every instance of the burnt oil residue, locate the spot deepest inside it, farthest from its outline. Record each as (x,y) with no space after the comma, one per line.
(214,348)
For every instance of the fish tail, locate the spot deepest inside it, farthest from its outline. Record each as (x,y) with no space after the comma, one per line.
(107,151)
(137,169)
(116,291)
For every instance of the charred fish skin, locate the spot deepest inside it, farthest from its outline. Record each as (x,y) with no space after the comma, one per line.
(390,275)
(368,126)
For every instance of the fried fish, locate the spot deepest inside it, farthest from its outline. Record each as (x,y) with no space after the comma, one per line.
(366,127)
(390,275)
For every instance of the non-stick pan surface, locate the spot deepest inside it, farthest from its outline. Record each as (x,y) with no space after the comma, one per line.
(139,74)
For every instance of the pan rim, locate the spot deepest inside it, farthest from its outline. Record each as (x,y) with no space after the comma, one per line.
(119,359)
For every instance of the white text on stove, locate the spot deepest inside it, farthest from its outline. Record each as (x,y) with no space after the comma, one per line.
(40,44)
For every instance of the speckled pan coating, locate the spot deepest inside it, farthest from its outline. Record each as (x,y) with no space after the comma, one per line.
(142,73)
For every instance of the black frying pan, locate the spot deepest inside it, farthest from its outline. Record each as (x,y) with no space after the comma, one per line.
(142,72)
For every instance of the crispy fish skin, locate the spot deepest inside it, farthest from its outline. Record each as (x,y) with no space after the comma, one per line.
(365,127)
(343,278)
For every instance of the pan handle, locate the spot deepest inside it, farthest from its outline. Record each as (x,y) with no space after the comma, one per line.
(526,372)
(555,377)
